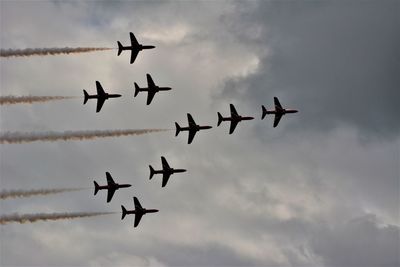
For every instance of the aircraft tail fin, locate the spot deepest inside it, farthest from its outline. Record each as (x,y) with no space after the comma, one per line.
(120,47)
(86,95)
(178,129)
(151,172)
(264,112)
(123,212)
(96,187)
(219,118)
(137,89)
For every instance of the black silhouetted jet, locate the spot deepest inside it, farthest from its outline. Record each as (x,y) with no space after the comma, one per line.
(166,171)
(192,128)
(111,187)
(152,89)
(135,47)
(235,118)
(279,111)
(101,96)
(138,211)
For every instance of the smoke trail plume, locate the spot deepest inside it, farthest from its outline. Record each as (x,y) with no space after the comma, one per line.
(48,51)
(10,100)
(29,193)
(31,218)
(20,137)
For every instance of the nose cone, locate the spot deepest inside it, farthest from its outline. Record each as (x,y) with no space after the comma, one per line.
(151,46)
(207,127)
(250,118)
(295,111)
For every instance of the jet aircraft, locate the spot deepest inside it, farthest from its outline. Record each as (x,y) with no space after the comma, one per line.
(235,118)
(101,96)
(135,47)
(166,171)
(152,89)
(192,128)
(279,111)
(138,211)
(111,187)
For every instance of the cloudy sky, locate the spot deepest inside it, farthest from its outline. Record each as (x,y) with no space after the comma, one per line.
(321,189)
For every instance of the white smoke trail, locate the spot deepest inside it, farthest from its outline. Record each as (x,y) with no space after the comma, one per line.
(10,100)
(48,51)
(39,192)
(21,137)
(31,218)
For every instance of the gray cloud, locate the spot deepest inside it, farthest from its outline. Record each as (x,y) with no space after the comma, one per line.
(336,62)
(360,242)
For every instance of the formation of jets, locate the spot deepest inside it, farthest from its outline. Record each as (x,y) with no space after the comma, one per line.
(192,129)
(112,186)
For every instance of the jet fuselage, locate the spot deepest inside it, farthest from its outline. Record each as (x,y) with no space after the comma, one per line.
(177,170)
(147,47)
(195,128)
(106,96)
(198,127)
(139,47)
(240,118)
(282,111)
(116,186)
(155,89)
(142,211)
(169,171)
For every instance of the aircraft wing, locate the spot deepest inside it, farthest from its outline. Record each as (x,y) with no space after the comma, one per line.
(100,102)
(137,203)
(134,42)
(278,117)
(234,123)
(164,163)
(165,179)
(138,217)
(191,135)
(233,111)
(100,96)
(134,54)
(110,193)
(278,105)
(191,120)
(150,82)
(99,88)
(150,96)
(110,180)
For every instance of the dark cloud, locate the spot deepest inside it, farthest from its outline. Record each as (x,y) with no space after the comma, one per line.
(360,242)
(337,62)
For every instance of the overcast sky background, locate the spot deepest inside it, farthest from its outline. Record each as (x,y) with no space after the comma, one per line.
(320,189)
